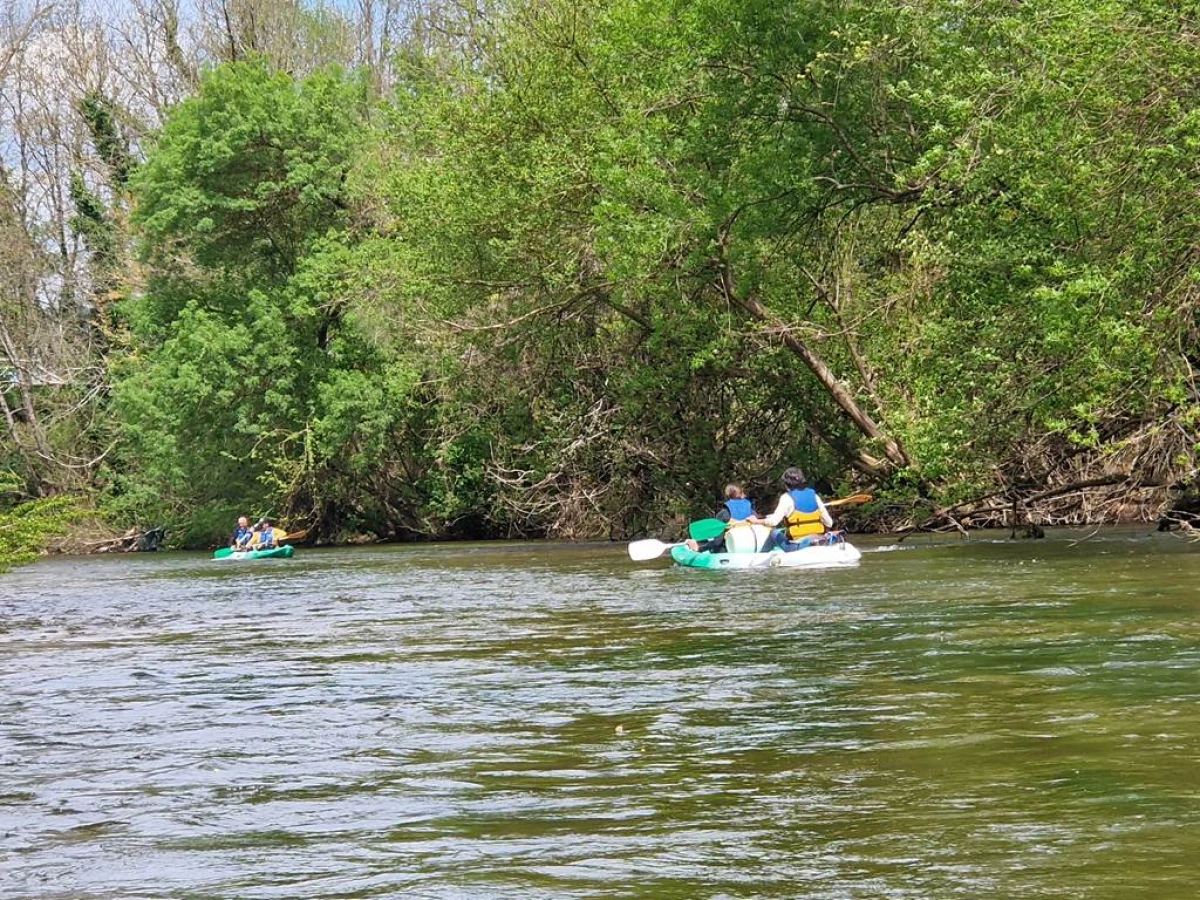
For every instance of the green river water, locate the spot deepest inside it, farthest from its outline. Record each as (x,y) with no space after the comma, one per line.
(968,719)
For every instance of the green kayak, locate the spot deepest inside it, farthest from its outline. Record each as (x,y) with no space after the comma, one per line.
(284,552)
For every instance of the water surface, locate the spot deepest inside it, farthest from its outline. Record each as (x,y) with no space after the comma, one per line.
(955,719)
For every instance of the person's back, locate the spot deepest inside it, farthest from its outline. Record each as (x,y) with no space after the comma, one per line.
(805,518)
(741,536)
(800,512)
(735,510)
(739,508)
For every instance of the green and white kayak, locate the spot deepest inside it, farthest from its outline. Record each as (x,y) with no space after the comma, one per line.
(819,557)
(284,552)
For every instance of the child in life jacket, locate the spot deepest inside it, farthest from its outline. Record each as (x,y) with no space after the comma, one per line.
(736,508)
(267,537)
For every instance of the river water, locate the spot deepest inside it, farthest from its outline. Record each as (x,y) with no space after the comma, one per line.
(950,719)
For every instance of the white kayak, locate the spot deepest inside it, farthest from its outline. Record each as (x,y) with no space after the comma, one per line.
(820,556)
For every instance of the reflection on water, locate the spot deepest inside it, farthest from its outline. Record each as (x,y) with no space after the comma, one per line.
(964,719)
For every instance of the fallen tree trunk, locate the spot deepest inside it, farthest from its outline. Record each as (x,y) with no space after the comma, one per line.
(896,456)
(134,540)
(1014,508)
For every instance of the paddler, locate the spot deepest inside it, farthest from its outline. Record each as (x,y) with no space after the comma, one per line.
(736,508)
(242,535)
(800,517)
(265,537)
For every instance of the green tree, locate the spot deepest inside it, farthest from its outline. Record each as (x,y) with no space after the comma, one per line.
(246,364)
(25,527)
(940,260)
(589,260)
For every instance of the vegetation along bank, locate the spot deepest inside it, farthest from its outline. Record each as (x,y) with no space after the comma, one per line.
(550,268)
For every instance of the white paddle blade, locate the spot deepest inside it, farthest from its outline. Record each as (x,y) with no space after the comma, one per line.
(640,551)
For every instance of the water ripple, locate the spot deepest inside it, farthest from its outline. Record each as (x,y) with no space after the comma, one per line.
(447,722)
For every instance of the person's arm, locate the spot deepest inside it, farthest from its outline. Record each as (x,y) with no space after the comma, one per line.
(826,518)
(712,543)
(782,510)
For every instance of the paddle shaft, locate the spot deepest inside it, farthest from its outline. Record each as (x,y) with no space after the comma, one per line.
(705,529)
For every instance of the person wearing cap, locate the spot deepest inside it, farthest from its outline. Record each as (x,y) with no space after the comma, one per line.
(265,536)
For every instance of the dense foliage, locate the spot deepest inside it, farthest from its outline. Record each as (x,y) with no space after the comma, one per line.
(581,262)
(26,527)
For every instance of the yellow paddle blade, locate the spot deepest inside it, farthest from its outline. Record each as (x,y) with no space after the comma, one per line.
(853,498)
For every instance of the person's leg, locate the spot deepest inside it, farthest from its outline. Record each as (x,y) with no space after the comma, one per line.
(788,546)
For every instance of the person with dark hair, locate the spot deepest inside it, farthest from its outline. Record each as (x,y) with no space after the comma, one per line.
(736,508)
(800,517)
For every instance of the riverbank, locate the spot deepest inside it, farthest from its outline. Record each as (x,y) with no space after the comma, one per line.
(92,536)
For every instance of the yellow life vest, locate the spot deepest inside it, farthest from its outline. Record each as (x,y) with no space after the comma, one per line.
(802,524)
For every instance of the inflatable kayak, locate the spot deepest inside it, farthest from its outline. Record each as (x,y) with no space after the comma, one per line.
(839,554)
(284,552)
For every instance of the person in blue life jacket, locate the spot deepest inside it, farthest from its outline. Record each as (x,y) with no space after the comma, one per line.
(800,518)
(242,535)
(736,508)
(265,537)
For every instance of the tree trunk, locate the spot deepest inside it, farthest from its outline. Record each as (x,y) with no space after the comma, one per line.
(895,453)
(25,389)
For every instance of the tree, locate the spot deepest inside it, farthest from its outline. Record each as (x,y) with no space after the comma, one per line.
(884,194)
(248,364)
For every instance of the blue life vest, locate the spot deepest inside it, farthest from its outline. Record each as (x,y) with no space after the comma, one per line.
(805,500)
(739,509)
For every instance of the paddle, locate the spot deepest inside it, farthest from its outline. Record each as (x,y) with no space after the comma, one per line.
(640,551)
(706,529)
(853,498)
(650,548)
